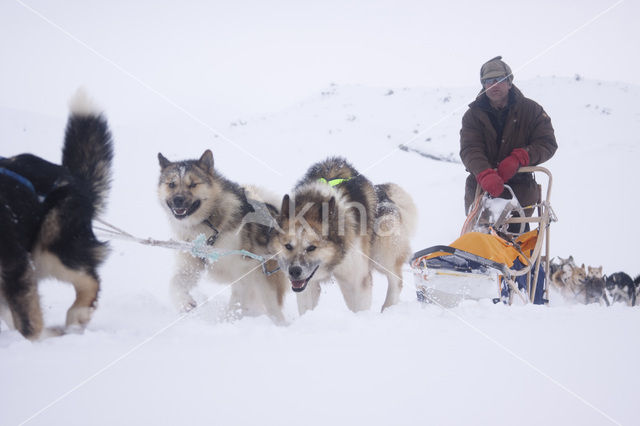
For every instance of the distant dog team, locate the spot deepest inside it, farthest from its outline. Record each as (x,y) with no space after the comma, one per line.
(590,285)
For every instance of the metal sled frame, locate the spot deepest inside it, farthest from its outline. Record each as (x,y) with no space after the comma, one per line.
(544,217)
(543,220)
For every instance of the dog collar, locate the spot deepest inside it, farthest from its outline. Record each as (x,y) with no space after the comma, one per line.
(212,239)
(333,182)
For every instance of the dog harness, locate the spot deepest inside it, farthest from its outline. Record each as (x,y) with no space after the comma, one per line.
(213,237)
(214,257)
(333,182)
(21,179)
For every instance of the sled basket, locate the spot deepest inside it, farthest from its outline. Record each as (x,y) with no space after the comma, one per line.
(485,263)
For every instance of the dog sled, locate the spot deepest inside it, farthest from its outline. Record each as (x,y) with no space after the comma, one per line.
(501,255)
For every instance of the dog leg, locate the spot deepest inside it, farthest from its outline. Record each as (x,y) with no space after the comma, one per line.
(85,282)
(308,299)
(357,293)
(272,299)
(87,287)
(20,289)
(394,286)
(355,282)
(243,300)
(186,277)
(5,312)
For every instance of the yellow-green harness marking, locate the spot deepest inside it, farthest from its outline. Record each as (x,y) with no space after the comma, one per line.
(333,182)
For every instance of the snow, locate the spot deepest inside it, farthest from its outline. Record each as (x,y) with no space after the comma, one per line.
(270,88)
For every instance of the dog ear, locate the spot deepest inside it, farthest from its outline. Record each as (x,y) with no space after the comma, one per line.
(206,162)
(284,209)
(163,161)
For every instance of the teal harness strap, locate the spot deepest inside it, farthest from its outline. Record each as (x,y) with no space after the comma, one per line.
(202,249)
(333,182)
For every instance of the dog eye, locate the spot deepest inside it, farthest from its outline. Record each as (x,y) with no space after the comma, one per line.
(192,185)
(172,184)
(288,246)
(311,248)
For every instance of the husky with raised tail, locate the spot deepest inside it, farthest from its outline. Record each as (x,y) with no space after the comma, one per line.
(46,214)
(199,200)
(337,224)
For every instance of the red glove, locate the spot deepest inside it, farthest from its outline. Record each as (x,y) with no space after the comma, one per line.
(510,165)
(491,182)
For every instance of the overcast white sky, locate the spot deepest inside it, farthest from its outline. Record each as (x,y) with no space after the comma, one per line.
(260,55)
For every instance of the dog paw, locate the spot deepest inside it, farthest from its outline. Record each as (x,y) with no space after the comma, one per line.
(184,302)
(189,306)
(79,316)
(279,320)
(54,331)
(232,313)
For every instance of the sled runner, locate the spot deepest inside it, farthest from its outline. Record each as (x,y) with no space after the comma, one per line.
(496,257)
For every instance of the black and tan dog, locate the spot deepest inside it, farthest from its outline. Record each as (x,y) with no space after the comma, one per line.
(46,214)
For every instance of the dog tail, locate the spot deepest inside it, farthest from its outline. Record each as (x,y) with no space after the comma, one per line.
(88,148)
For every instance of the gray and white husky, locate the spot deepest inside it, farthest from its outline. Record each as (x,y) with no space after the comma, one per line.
(199,200)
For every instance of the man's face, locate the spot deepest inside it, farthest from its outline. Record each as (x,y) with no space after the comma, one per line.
(497,90)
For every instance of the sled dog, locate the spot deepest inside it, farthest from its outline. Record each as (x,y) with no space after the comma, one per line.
(594,271)
(199,200)
(559,263)
(46,213)
(336,224)
(595,287)
(569,279)
(621,288)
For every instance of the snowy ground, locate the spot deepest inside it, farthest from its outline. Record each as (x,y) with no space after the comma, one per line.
(139,362)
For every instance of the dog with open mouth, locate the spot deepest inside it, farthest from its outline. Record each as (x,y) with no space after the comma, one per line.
(337,224)
(199,200)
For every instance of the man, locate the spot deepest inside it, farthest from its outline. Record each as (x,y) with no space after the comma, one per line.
(502,131)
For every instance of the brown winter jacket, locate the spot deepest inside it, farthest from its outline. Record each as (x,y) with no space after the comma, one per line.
(526,126)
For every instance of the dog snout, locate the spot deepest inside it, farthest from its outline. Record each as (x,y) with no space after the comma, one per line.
(178,201)
(295,272)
